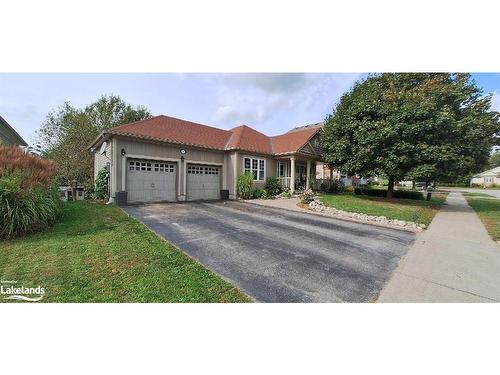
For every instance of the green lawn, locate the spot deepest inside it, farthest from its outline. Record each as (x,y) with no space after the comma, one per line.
(96,253)
(481,195)
(420,212)
(488,211)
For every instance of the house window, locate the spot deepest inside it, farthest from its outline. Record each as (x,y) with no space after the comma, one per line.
(256,167)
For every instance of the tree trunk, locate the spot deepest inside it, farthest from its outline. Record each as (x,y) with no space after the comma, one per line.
(331,172)
(390,188)
(413,185)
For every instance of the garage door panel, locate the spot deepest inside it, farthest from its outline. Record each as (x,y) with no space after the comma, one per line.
(151,181)
(203,182)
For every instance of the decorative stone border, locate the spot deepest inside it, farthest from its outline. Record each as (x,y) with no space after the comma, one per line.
(318,206)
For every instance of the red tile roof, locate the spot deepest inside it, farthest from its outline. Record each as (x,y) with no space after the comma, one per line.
(173,130)
(293,141)
(248,139)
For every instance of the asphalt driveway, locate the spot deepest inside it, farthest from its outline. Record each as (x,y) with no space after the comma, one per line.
(276,255)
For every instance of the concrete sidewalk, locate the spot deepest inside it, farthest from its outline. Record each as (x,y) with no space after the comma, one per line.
(454,260)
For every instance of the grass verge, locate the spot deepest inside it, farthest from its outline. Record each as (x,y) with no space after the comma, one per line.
(421,212)
(96,253)
(481,195)
(488,211)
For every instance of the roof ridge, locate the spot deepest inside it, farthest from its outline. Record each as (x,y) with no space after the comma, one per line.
(169,117)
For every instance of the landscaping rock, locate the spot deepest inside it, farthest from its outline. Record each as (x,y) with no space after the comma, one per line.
(318,206)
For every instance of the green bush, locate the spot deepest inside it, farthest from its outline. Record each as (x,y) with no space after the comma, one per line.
(273,186)
(101,184)
(257,193)
(286,193)
(26,210)
(399,194)
(336,187)
(245,186)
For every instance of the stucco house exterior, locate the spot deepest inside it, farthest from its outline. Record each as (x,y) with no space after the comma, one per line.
(169,159)
(8,136)
(487,178)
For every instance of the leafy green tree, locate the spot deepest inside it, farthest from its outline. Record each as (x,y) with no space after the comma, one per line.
(494,160)
(68,131)
(421,126)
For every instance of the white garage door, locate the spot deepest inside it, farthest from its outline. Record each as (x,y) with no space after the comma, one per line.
(203,182)
(151,181)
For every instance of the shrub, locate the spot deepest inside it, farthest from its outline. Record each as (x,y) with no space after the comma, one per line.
(273,186)
(101,184)
(29,200)
(399,194)
(336,187)
(37,172)
(306,196)
(257,193)
(244,186)
(26,210)
(286,193)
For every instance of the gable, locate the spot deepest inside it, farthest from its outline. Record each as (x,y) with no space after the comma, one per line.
(312,147)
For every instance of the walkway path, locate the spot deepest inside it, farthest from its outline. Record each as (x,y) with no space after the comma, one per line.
(454,260)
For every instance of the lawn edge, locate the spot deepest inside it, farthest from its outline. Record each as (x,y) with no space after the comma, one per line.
(241,290)
(311,212)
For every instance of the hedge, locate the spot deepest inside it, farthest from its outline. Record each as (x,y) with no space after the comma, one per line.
(399,194)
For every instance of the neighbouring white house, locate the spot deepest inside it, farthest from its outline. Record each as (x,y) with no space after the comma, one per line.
(487,178)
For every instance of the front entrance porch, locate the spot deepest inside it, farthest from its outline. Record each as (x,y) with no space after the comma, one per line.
(295,173)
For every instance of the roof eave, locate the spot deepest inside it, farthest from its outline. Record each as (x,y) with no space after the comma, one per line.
(164,140)
(13,131)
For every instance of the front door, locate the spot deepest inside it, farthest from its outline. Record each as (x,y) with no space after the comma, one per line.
(300,176)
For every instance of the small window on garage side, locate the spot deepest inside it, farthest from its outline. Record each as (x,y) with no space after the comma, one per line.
(148,166)
(143,166)
(171,168)
(157,167)
(137,166)
(131,166)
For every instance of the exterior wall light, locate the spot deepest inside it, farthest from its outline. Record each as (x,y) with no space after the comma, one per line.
(123,152)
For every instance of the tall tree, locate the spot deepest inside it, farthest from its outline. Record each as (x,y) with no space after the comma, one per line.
(421,126)
(67,132)
(494,160)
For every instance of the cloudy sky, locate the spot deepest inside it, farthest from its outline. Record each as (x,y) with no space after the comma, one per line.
(272,103)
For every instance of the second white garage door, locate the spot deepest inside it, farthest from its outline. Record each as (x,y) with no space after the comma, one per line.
(203,182)
(151,181)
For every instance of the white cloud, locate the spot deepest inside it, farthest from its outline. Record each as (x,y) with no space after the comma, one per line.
(266,82)
(277,100)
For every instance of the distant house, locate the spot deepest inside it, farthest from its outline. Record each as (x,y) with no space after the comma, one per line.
(8,136)
(487,178)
